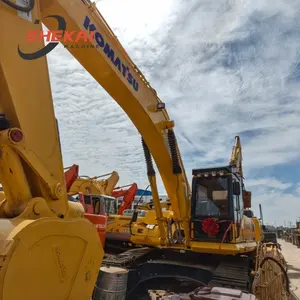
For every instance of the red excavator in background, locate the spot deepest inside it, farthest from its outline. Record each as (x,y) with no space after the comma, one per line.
(71,175)
(93,206)
(128,196)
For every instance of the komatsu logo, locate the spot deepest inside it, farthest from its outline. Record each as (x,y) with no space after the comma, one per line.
(110,52)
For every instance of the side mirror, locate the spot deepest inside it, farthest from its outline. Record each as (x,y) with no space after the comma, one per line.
(134,216)
(236,188)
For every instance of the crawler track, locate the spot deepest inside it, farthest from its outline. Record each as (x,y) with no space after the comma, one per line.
(149,267)
(233,273)
(167,269)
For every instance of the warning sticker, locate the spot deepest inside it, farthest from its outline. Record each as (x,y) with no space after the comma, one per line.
(24,15)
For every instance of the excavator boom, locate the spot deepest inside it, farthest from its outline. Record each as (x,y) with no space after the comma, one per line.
(128,196)
(107,61)
(236,156)
(94,185)
(39,227)
(46,244)
(71,175)
(236,162)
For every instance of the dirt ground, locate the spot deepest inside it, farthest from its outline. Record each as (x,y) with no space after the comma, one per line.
(292,256)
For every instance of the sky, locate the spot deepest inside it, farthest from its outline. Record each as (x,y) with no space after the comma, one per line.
(223,68)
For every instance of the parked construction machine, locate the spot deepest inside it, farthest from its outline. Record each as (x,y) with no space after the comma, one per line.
(119,225)
(127,195)
(225,245)
(95,207)
(295,233)
(71,175)
(104,189)
(269,236)
(150,205)
(48,249)
(99,197)
(98,184)
(95,189)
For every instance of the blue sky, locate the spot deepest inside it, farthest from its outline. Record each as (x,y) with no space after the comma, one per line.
(223,68)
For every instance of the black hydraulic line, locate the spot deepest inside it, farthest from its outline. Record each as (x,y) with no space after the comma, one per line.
(27,8)
(120,187)
(150,172)
(149,163)
(134,211)
(174,153)
(142,195)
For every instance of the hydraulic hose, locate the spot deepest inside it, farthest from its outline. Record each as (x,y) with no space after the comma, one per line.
(131,221)
(27,8)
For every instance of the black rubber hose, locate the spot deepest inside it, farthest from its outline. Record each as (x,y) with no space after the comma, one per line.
(148,159)
(130,224)
(174,153)
(27,8)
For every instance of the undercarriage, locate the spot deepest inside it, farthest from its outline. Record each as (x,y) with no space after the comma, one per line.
(179,271)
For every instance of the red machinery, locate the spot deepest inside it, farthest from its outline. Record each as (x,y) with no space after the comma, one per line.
(93,206)
(71,175)
(128,196)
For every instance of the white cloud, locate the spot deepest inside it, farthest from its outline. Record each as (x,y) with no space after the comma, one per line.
(223,68)
(278,207)
(268,183)
(297,190)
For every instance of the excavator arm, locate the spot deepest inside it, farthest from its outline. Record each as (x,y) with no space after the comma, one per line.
(107,61)
(236,162)
(39,227)
(128,196)
(236,156)
(92,185)
(48,250)
(71,174)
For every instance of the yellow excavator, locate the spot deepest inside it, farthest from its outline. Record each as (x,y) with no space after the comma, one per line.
(226,240)
(150,205)
(95,185)
(235,160)
(122,228)
(99,187)
(48,249)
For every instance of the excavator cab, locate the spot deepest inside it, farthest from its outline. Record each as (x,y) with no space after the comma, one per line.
(99,204)
(217,204)
(111,205)
(96,208)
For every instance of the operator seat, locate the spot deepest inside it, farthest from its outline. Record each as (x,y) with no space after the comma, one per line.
(220,199)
